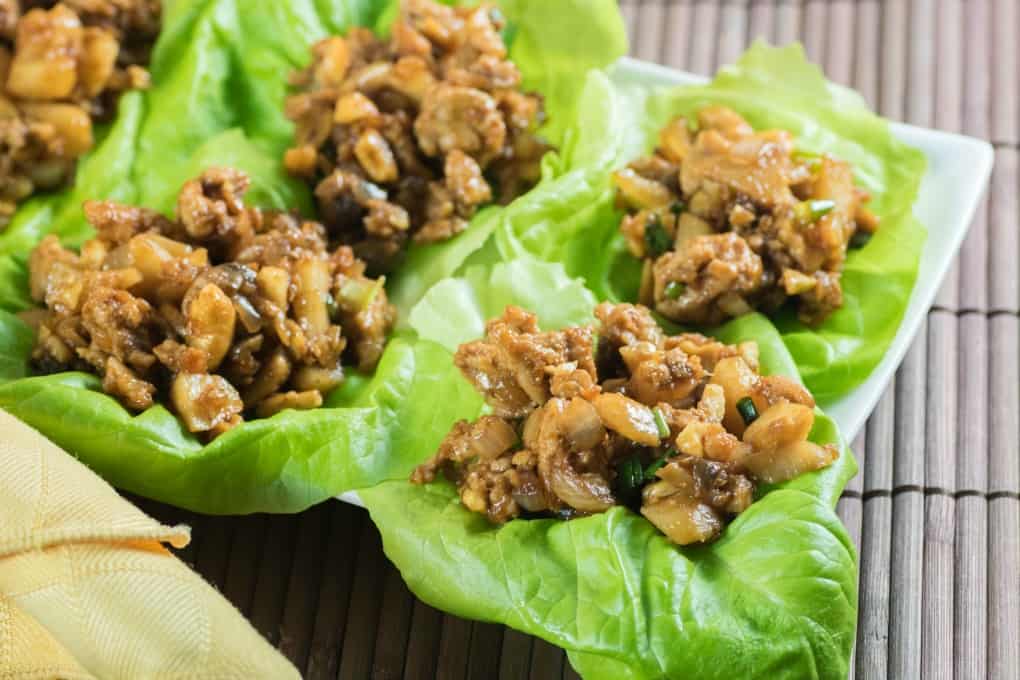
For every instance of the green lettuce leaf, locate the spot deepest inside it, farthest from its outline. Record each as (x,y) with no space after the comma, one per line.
(771,87)
(774,597)
(219,75)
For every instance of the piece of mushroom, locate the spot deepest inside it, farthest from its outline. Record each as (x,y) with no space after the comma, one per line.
(211,317)
(628,418)
(270,378)
(311,277)
(682,519)
(204,401)
(301,401)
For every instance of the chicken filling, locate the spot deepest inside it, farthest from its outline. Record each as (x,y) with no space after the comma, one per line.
(62,66)
(727,220)
(225,310)
(679,427)
(406,138)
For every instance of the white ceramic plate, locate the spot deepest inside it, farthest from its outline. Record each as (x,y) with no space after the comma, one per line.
(958,172)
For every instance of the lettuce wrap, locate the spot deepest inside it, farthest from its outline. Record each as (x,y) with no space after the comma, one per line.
(773,597)
(219,83)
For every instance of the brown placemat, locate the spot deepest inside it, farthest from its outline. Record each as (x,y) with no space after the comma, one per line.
(935,511)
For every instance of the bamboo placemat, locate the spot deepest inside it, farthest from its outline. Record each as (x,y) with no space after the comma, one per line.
(935,511)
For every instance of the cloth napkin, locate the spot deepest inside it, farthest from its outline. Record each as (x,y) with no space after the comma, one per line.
(88,590)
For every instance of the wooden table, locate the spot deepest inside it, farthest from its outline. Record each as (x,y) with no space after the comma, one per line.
(935,511)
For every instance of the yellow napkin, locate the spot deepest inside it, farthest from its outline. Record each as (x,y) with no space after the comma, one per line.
(87,589)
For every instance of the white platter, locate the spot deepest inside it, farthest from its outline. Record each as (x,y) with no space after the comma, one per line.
(958,171)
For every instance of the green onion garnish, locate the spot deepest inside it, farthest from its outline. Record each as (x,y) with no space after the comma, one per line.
(677,207)
(747,410)
(630,477)
(815,209)
(654,466)
(674,289)
(656,239)
(809,159)
(859,239)
(660,423)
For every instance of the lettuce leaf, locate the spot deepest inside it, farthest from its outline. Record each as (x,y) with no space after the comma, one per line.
(775,596)
(219,82)
(771,87)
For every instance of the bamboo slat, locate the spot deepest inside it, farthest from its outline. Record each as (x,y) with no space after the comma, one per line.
(906,577)
(547,661)
(920,103)
(976,96)
(569,673)
(515,660)
(245,549)
(948,115)
(1003,397)
(649,31)
(396,608)
(339,557)
(453,644)
(298,622)
(908,526)
(676,42)
(970,598)
(973,263)
(910,434)
(212,555)
(893,80)
(273,575)
(732,33)
(1005,72)
(878,471)
(937,614)
(787,24)
(972,404)
(839,47)
(1003,235)
(363,612)
(423,642)
(486,638)
(760,21)
(704,23)
(1003,588)
(872,659)
(941,389)
(813,31)
(868,50)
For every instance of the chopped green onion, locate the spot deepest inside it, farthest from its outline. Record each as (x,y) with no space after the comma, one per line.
(747,410)
(810,211)
(859,239)
(657,241)
(677,207)
(331,306)
(809,159)
(630,477)
(357,294)
(654,466)
(660,423)
(674,289)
